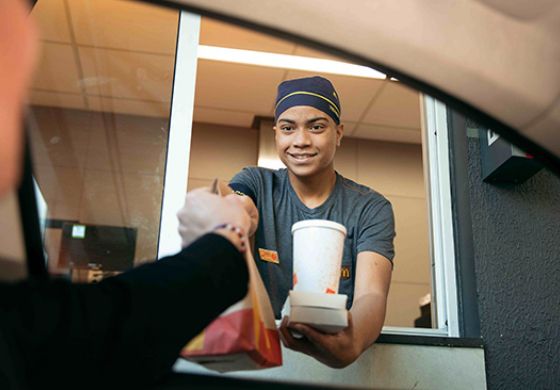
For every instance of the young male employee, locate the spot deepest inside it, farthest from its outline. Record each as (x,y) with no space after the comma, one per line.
(307,133)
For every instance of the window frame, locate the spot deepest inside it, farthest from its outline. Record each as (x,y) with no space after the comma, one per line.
(180,131)
(434,117)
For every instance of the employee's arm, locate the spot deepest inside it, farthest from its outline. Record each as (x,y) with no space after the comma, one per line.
(373,277)
(366,317)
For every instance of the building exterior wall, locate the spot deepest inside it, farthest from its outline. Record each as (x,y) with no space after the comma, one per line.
(516,237)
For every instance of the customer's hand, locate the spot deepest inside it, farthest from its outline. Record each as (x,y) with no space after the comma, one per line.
(204,212)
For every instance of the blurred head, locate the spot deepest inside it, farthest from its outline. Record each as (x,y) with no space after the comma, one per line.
(307,125)
(18,45)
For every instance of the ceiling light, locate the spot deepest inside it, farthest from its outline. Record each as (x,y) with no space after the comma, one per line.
(286,61)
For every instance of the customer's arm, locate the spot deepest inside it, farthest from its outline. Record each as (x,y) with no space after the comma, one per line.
(366,317)
(126,330)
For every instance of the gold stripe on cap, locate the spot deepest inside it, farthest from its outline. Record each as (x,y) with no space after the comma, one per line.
(334,107)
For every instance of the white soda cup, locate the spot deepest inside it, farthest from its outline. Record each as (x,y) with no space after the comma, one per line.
(317,256)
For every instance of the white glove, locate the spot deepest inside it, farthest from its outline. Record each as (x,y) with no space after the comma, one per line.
(204,212)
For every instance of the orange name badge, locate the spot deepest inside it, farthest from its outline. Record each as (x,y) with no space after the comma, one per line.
(269,256)
(345,272)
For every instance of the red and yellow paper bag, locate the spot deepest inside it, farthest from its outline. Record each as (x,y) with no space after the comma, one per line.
(244,337)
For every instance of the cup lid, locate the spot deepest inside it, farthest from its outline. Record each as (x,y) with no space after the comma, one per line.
(319,223)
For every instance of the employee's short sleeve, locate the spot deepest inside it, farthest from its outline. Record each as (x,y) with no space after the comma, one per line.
(247,181)
(377,229)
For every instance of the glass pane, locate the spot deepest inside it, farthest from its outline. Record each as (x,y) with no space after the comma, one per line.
(100,106)
(382,145)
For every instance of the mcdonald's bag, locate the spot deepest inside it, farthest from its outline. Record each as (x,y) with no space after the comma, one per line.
(244,337)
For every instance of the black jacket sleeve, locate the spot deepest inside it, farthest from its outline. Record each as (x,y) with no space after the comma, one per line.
(125,331)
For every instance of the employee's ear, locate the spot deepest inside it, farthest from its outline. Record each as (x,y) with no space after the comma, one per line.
(339,134)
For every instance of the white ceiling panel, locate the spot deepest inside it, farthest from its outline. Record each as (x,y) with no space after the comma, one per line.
(57,99)
(394,134)
(52,20)
(215,33)
(124,25)
(355,93)
(56,69)
(396,105)
(128,106)
(124,74)
(236,87)
(223,117)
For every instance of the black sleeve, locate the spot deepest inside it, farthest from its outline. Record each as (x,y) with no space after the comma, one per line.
(125,331)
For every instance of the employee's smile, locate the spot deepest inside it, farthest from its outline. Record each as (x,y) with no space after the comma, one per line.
(302,157)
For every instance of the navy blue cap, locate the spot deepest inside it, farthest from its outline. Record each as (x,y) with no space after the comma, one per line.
(315,91)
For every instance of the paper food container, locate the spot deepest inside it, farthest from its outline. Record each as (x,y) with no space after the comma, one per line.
(326,301)
(325,312)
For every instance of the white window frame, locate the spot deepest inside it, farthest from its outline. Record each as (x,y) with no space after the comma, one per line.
(180,132)
(436,169)
(435,133)
(435,150)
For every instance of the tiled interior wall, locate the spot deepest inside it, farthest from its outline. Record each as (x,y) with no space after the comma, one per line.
(393,169)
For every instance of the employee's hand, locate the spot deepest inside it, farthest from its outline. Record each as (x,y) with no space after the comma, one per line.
(204,212)
(336,350)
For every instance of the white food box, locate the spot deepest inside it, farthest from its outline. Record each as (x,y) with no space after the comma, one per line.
(321,300)
(325,312)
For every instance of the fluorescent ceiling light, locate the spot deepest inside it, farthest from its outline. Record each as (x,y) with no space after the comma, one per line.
(286,61)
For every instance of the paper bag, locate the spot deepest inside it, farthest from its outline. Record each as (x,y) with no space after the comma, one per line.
(244,337)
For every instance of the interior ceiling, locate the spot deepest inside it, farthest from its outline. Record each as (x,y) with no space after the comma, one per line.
(118,56)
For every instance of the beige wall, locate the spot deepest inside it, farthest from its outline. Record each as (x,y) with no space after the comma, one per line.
(220,152)
(393,169)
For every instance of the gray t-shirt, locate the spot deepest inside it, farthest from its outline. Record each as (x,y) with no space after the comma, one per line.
(366,214)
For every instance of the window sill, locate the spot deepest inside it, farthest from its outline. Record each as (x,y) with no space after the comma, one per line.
(435,341)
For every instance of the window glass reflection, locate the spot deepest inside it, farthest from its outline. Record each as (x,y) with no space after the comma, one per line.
(99,126)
